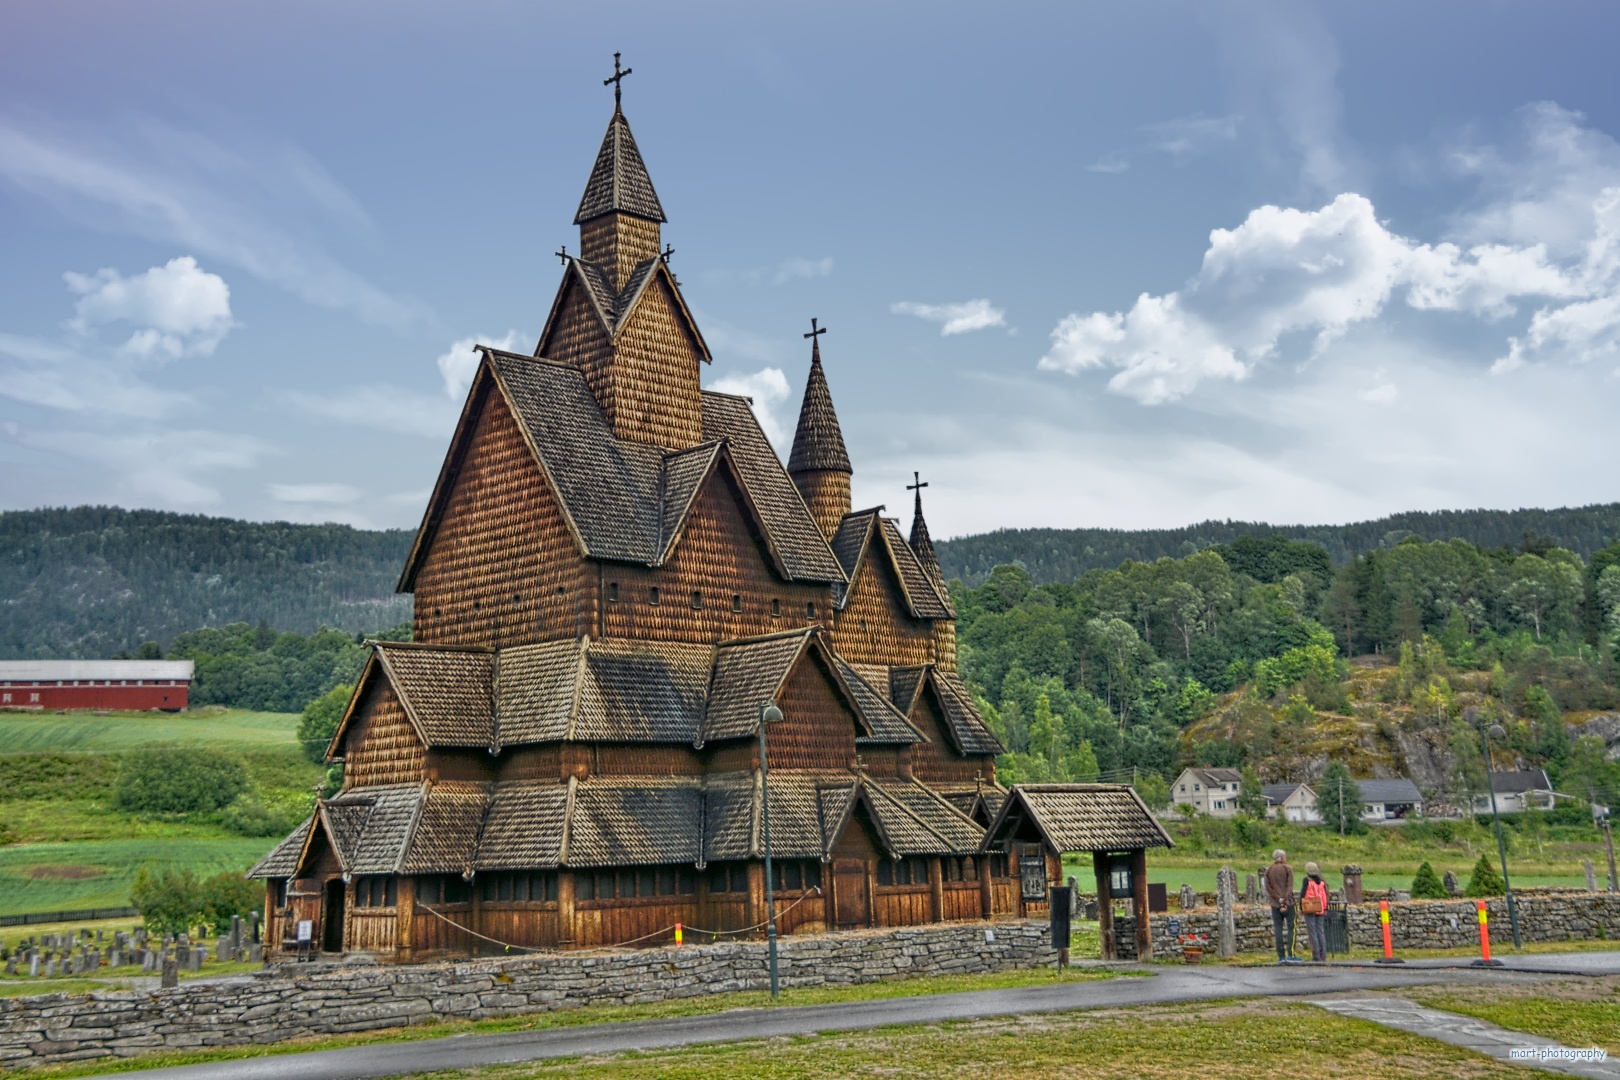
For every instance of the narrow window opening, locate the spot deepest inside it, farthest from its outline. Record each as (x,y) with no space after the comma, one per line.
(810,610)
(736,602)
(613,592)
(652,595)
(697,600)
(776,609)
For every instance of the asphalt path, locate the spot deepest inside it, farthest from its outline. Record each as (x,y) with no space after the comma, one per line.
(1164,986)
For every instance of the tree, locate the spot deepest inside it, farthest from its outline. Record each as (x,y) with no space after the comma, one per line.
(1081,764)
(1154,789)
(1543,591)
(1338,799)
(173,903)
(320,721)
(1427,885)
(1484,881)
(168,780)
(1251,799)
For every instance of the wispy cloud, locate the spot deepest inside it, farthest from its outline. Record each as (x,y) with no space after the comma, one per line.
(960,318)
(335,494)
(768,387)
(1182,139)
(382,407)
(167,467)
(459,362)
(262,209)
(178,309)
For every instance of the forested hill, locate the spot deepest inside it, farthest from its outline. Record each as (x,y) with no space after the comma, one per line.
(94,581)
(1055,556)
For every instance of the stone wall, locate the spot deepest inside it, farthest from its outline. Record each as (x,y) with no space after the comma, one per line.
(1413,924)
(292,1001)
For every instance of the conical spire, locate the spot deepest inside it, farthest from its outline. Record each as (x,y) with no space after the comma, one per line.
(619,182)
(818,444)
(921,544)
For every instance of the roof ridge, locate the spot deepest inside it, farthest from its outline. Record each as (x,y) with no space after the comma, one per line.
(383,643)
(814,628)
(909,812)
(619,182)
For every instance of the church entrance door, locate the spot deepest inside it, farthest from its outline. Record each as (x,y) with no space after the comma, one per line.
(849,892)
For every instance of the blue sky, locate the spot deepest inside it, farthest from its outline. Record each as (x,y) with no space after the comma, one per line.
(1125,265)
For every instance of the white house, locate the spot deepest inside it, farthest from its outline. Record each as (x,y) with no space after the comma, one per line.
(1525,789)
(1295,803)
(1389,800)
(1209,791)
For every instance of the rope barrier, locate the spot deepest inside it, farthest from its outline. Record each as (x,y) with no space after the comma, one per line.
(670,929)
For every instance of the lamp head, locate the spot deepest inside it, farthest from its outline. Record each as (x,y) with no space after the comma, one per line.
(1496,731)
(770,714)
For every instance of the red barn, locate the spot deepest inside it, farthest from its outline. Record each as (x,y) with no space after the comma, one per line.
(95,684)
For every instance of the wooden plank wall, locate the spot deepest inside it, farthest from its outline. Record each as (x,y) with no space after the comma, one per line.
(902,905)
(381,746)
(874,626)
(962,901)
(371,929)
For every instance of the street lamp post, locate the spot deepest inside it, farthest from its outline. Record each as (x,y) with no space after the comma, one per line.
(768,714)
(1496,817)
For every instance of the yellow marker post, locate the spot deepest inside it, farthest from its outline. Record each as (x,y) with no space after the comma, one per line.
(677,933)
(1389,946)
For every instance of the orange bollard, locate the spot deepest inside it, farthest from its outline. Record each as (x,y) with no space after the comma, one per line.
(1389,946)
(1485,938)
(677,933)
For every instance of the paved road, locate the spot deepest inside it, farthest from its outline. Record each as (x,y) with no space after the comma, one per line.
(1167,985)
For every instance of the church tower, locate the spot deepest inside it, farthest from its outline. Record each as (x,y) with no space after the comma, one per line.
(619,315)
(819,464)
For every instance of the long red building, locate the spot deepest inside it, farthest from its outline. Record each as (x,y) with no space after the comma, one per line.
(132,685)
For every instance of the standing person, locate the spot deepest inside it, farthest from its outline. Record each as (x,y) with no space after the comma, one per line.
(1313,904)
(1280,891)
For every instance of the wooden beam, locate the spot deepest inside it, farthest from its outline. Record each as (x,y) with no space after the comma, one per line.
(1105,907)
(405,916)
(1144,923)
(936,889)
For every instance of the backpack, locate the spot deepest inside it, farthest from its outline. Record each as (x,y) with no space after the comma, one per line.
(1315,900)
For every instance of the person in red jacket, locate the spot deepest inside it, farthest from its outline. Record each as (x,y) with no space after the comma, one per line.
(1313,904)
(1280,891)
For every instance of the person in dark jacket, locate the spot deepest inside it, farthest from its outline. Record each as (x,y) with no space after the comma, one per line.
(1280,891)
(1313,901)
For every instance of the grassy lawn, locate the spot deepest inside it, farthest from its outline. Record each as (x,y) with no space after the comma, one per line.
(1575,1012)
(1501,948)
(1247,1040)
(88,731)
(99,873)
(606,1014)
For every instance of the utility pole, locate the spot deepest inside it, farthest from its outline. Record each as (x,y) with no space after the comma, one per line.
(768,714)
(1341,806)
(1608,841)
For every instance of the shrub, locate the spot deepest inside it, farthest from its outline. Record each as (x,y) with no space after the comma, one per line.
(1251,833)
(320,720)
(173,903)
(255,815)
(1427,885)
(168,780)
(1485,881)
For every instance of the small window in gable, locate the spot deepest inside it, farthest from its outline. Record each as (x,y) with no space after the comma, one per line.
(652,595)
(697,601)
(776,609)
(613,592)
(810,610)
(736,602)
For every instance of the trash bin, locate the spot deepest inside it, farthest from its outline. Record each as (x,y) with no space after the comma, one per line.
(1338,929)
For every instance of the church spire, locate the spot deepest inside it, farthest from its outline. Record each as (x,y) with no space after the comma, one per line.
(819,464)
(619,213)
(921,544)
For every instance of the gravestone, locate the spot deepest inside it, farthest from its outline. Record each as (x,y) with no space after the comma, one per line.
(50,968)
(1225,898)
(1591,875)
(253,923)
(1453,886)
(1251,889)
(115,958)
(222,949)
(255,950)
(171,972)
(1352,883)
(1189,899)
(33,964)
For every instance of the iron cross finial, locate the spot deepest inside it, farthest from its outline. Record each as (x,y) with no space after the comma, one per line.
(617,80)
(562,253)
(666,253)
(918,485)
(814,332)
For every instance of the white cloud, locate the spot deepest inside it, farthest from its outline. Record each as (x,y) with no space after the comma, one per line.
(166,468)
(797,268)
(1321,272)
(960,318)
(41,372)
(333,494)
(459,362)
(1187,137)
(177,309)
(1112,162)
(768,388)
(384,407)
(266,209)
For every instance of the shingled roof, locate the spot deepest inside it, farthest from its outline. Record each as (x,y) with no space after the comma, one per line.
(964,727)
(922,545)
(865,534)
(818,443)
(619,180)
(447,692)
(627,501)
(1079,817)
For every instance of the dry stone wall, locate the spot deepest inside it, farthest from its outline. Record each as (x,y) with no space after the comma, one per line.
(1413,924)
(292,1001)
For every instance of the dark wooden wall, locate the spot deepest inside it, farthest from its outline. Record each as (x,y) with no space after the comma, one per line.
(381,746)
(938,759)
(874,626)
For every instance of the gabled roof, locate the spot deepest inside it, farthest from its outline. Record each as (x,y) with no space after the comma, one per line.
(1079,817)
(613,308)
(283,858)
(65,670)
(1213,777)
(910,819)
(1398,790)
(448,693)
(1512,783)
(619,180)
(818,442)
(886,723)
(965,728)
(1281,793)
(862,531)
(620,498)
(922,545)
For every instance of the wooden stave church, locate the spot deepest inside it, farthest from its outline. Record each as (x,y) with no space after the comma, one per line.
(613,574)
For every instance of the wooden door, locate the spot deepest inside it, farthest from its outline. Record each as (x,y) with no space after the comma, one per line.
(849,892)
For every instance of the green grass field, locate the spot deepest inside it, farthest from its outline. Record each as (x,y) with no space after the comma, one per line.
(71,732)
(99,873)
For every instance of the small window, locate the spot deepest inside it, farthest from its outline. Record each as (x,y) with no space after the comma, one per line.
(776,609)
(584,887)
(885,872)
(970,869)
(613,592)
(697,601)
(478,605)
(686,881)
(736,602)
(652,595)
(739,877)
(647,883)
(810,610)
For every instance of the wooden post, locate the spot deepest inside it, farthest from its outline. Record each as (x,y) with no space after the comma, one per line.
(1105,906)
(986,893)
(566,931)
(475,918)
(936,889)
(871,890)
(756,894)
(1144,921)
(405,919)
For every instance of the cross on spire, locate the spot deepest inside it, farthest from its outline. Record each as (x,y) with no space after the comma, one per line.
(617,81)
(814,332)
(918,486)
